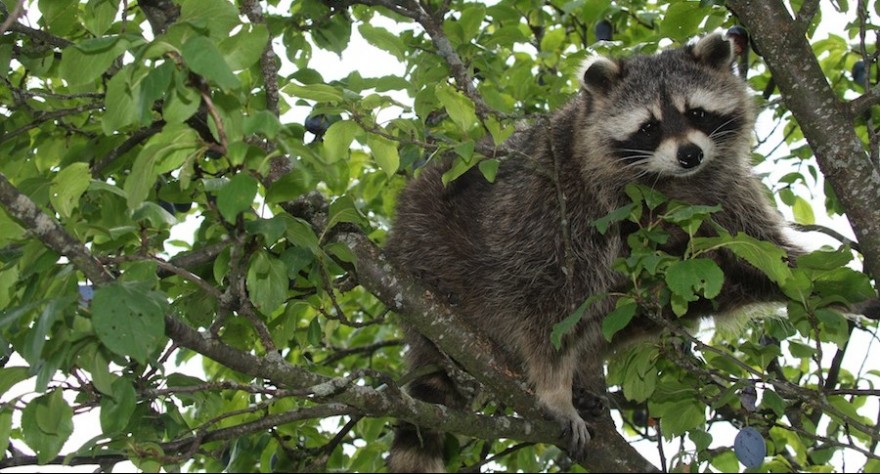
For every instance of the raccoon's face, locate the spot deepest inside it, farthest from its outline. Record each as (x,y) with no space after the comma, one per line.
(673,114)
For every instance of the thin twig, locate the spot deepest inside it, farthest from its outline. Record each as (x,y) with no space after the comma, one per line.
(15,14)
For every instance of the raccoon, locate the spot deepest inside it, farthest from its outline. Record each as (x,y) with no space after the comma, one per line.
(516,256)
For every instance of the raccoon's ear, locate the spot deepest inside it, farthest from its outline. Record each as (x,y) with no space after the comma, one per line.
(598,75)
(715,51)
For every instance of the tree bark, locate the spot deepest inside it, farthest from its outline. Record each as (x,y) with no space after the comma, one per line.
(825,120)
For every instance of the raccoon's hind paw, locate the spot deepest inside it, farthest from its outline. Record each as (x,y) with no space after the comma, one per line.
(576,431)
(579,437)
(588,404)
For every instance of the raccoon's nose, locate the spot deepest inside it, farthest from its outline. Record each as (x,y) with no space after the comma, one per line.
(690,156)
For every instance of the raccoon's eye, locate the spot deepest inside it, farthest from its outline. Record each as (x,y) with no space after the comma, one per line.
(698,113)
(650,127)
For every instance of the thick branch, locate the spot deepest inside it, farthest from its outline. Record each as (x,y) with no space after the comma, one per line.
(11,17)
(608,452)
(40,35)
(368,400)
(825,121)
(268,64)
(864,102)
(50,232)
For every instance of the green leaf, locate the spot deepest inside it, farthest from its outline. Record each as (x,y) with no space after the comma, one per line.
(86,61)
(237,196)
(343,209)
(341,251)
(771,399)
(155,84)
(46,424)
(825,260)
(316,92)
(60,15)
(614,216)
(460,108)
(552,40)
(35,340)
(640,373)
(121,108)
(682,416)
(68,186)
(141,179)
(844,284)
(385,153)
(689,217)
(99,15)
(688,278)
(295,183)
(244,48)
(639,193)
(154,214)
(11,376)
(333,34)
(701,439)
(726,462)
(267,282)
(117,408)
(836,329)
(181,102)
(803,212)
(489,168)
(500,132)
(764,256)
(172,147)
(459,167)
(314,334)
(271,229)
(682,20)
(102,379)
(471,21)
(5,59)
(204,59)
(337,140)
(619,318)
(129,318)
(262,122)
(384,40)
(5,428)
(219,17)
(565,326)
(301,233)
(164,152)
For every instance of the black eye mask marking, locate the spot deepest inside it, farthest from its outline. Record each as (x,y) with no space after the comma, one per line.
(713,124)
(641,144)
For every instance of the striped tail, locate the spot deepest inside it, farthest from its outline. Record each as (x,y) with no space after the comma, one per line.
(421,449)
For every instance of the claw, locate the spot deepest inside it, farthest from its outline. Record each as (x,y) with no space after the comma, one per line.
(580,436)
(575,429)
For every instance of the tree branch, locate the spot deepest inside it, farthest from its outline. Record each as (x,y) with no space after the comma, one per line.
(50,232)
(444,47)
(135,139)
(608,451)
(40,35)
(268,64)
(825,121)
(863,103)
(11,17)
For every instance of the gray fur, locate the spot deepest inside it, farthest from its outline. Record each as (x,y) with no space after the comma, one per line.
(496,252)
